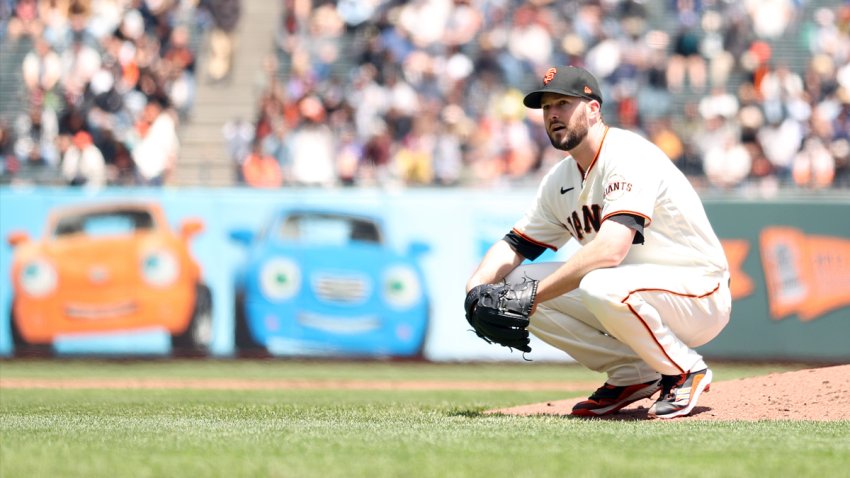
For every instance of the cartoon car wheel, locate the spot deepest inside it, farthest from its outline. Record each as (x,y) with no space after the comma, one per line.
(198,335)
(245,343)
(23,348)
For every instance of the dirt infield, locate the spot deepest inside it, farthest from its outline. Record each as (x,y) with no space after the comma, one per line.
(813,394)
(821,394)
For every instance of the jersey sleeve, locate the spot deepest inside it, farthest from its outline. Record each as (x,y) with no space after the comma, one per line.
(629,185)
(540,226)
(528,249)
(633,222)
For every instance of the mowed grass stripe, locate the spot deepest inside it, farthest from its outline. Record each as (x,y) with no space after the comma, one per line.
(328,433)
(291,384)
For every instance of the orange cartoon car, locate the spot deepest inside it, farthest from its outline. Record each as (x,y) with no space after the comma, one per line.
(106,268)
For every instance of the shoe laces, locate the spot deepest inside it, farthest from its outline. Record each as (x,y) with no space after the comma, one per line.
(669,383)
(603,392)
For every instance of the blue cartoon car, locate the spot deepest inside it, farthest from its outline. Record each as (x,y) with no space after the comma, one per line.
(326,284)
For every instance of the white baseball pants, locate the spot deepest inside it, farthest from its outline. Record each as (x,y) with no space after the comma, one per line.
(633,322)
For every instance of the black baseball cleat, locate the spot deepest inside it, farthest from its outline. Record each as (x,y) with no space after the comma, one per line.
(609,399)
(680,393)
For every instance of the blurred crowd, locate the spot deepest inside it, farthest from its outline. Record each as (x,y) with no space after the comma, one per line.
(428,92)
(745,96)
(105,85)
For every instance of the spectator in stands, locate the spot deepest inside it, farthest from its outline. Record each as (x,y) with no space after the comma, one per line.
(423,22)
(369,97)
(9,164)
(448,148)
(414,159)
(5,15)
(225,15)
(349,152)
(260,169)
(238,136)
(79,64)
(36,135)
(42,70)
(770,18)
(719,103)
(178,71)
(156,152)
(54,17)
(379,65)
(654,100)
(727,164)
(312,147)
(374,166)
(94,68)
(463,23)
(530,40)
(122,170)
(403,104)
(661,133)
(355,13)
(35,169)
(83,163)
(762,172)
(813,166)
(841,152)
(25,21)
(687,61)
(718,61)
(780,139)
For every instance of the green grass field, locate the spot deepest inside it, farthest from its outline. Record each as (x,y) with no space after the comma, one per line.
(373,433)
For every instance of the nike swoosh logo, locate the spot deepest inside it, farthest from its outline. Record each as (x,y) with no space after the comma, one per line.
(565,191)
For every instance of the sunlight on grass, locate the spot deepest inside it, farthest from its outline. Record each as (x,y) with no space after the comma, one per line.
(368,433)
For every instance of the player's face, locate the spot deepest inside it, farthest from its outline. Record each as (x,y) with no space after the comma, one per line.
(565,119)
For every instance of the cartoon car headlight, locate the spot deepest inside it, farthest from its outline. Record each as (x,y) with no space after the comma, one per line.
(280,279)
(38,278)
(401,286)
(160,268)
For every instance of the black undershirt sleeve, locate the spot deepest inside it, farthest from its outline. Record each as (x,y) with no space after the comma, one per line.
(632,222)
(523,247)
(532,251)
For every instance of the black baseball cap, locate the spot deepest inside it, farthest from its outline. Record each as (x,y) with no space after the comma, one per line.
(566,80)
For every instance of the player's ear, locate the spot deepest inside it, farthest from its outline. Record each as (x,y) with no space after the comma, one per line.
(594,109)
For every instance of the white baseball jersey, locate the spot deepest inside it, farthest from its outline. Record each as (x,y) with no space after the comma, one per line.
(630,175)
(670,293)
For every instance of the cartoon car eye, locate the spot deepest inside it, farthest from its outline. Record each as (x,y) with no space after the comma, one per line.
(280,279)
(160,268)
(401,286)
(38,278)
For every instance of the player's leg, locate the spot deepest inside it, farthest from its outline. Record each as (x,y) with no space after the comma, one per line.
(629,378)
(565,323)
(662,313)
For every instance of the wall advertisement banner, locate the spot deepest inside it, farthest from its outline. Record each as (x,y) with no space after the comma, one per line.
(359,273)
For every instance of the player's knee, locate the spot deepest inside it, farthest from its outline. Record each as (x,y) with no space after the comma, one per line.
(597,289)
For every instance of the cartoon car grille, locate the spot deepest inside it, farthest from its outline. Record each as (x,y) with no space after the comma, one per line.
(348,290)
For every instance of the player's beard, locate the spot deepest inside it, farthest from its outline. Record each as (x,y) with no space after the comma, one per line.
(575,133)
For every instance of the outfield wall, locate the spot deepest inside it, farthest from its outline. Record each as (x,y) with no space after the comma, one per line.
(790,260)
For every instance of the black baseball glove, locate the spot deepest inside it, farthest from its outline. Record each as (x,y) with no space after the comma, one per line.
(498,313)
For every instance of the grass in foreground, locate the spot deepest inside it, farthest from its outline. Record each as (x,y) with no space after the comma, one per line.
(303,433)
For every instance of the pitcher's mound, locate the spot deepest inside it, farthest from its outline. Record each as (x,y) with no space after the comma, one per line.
(812,394)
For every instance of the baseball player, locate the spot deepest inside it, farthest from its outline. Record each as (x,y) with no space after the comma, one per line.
(649,283)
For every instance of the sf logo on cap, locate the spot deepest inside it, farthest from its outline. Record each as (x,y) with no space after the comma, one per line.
(550,75)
